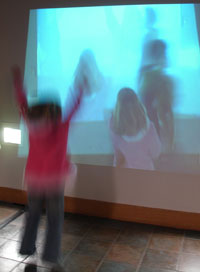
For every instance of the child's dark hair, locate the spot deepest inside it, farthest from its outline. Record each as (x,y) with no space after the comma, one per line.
(39,111)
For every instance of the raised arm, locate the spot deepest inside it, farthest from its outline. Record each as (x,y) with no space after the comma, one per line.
(19,90)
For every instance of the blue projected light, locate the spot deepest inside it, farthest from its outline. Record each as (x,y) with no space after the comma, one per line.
(115,47)
(116,35)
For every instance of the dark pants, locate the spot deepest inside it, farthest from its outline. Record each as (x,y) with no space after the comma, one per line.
(55,215)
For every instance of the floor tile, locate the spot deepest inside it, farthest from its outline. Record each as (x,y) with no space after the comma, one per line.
(166,242)
(36,258)
(192,234)
(169,231)
(7,213)
(140,226)
(42,269)
(135,236)
(21,266)
(43,221)
(7,265)
(18,235)
(10,250)
(92,248)
(101,233)
(125,253)
(75,227)
(39,262)
(86,241)
(109,223)
(69,241)
(191,246)
(189,263)
(146,269)
(79,218)
(3,241)
(160,259)
(81,263)
(9,230)
(117,267)
(20,220)
(41,236)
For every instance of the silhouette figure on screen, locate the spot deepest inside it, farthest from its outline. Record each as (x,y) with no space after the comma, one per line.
(135,140)
(46,170)
(156,91)
(88,75)
(151,34)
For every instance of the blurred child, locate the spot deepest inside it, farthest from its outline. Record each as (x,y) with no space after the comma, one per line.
(46,171)
(135,140)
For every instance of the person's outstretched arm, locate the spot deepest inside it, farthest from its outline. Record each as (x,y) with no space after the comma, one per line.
(19,90)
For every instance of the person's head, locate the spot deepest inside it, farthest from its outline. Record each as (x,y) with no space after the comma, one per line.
(44,113)
(157,52)
(129,116)
(45,109)
(151,17)
(87,75)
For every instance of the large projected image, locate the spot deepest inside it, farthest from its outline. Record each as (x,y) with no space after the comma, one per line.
(139,66)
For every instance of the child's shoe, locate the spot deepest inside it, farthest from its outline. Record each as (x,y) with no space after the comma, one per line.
(30,268)
(57,268)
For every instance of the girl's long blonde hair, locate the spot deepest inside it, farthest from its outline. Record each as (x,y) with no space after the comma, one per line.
(87,75)
(129,116)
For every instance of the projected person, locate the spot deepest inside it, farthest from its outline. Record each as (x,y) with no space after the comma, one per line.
(135,140)
(156,91)
(46,170)
(88,77)
(87,73)
(151,34)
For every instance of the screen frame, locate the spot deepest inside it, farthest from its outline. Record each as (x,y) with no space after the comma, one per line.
(90,3)
(98,3)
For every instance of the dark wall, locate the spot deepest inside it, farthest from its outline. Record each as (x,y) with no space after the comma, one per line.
(13,32)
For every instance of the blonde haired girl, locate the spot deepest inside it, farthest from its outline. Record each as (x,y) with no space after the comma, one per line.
(135,140)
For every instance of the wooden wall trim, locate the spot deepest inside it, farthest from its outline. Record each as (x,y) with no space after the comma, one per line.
(13,195)
(161,217)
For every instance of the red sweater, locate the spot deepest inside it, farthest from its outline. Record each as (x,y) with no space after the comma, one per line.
(47,164)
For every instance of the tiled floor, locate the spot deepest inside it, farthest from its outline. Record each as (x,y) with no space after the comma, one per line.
(99,245)
(7,212)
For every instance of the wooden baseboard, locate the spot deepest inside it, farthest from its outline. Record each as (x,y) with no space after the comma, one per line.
(13,195)
(161,217)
